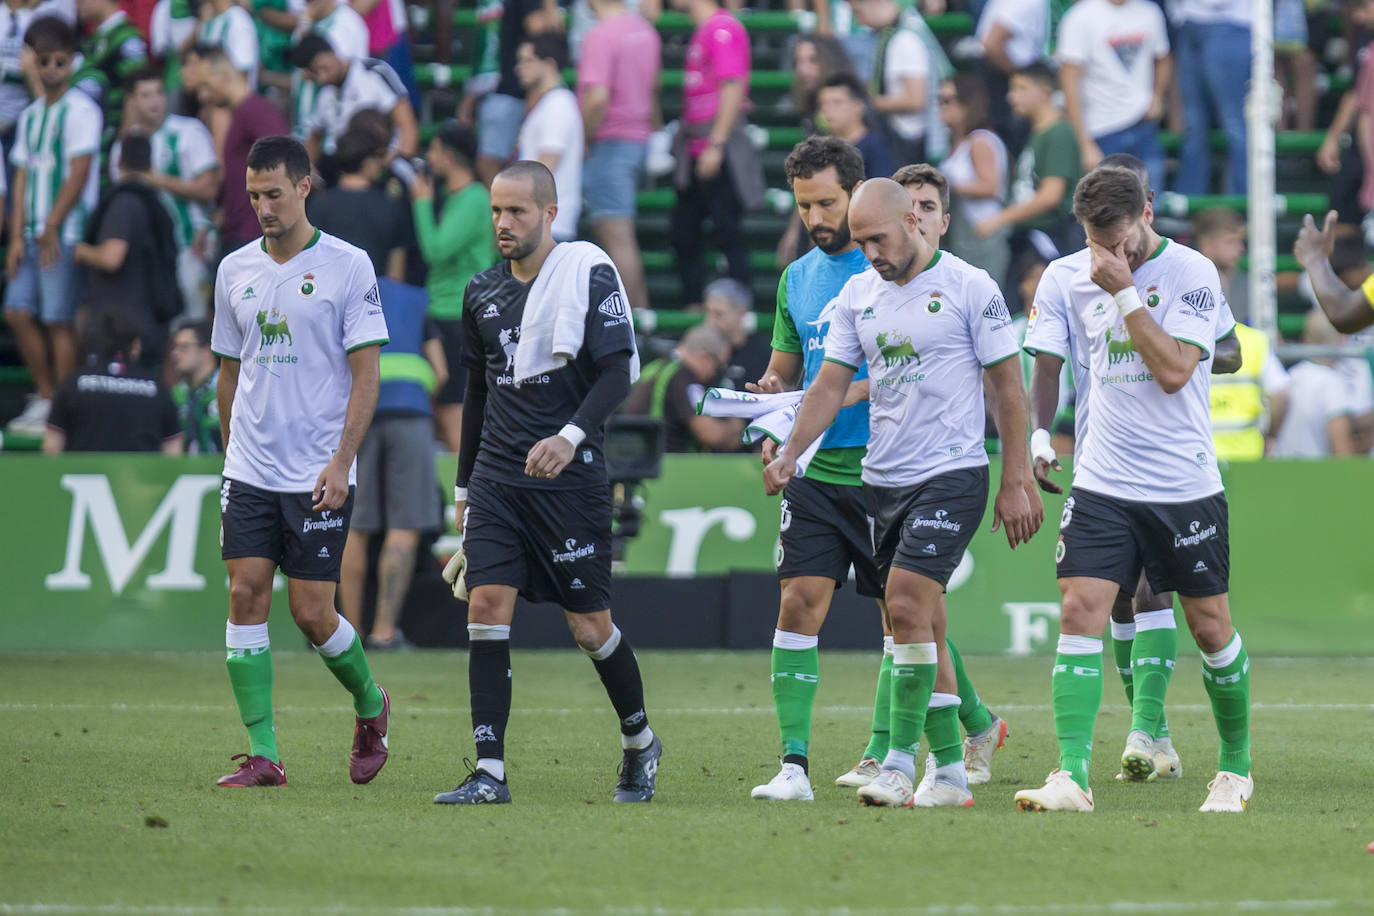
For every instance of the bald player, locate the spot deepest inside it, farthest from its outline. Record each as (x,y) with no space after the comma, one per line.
(929,327)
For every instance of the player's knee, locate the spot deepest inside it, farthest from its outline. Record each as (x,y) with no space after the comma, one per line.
(1211,633)
(1076,616)
(590,631)
(802,609)
(245,595)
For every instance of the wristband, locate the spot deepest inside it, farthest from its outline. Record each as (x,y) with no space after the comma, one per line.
(1128,300)
(460,494)
(1040,446)
(574,435)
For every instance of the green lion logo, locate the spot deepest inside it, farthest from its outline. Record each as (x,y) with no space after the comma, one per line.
(274,331)
(896,349)
(1119,350)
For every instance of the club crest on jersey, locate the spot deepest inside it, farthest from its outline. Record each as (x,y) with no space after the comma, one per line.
(933,306)
(308,286)
(1152,297)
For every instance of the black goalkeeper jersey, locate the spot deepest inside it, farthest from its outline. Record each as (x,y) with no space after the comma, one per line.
(517,418)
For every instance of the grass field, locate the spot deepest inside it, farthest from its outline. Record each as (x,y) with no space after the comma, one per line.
(108,803)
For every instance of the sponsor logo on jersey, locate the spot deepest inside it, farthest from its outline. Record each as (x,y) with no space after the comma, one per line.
(613,307)
(1099,309)
(1200,566)
(371,297)
(1120,347)
(274,331)
(576,584)
(573,551)
(248,294)
(930,549)
(323,523)
(308,287)
(1200,300)
(510,342)
(1034,314)
(866,314)
(997,311)
(1196,535)
(896,349)
(491,311)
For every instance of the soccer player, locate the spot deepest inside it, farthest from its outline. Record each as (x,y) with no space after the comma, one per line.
(1147,492)
(1050,339)
(1350,310)
(824,528)
(531,494)
(298,329)
(927,325)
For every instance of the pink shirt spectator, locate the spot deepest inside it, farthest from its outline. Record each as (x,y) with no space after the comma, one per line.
(381,29)
(718,51)
(622,54)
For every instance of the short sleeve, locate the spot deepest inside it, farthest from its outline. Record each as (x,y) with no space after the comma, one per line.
(1160,29)
(226,337)
(364,325)
(608,329)
(1226,320)
(1061,158)
(730,51)
(1072,47)
(594,67)
(196,150)
(124,219)
(785,336)
(989,322)
(81,132)
(906,56)
(1191,316)
(19,153)
(241,43)
(842,344)
(168,423)
(1047,326)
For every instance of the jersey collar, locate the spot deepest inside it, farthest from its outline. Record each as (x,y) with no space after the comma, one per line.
(1160,250)
(262,243)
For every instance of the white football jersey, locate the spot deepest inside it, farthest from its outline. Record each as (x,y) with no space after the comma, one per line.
(1050,330)
(926,345)
(291,327)
(1141,443)
(368,84)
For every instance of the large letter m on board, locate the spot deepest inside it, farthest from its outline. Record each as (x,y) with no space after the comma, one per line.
(93,503)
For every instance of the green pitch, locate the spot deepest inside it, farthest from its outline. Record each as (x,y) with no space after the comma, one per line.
(108,802)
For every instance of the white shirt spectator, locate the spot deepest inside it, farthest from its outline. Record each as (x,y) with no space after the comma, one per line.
(1317,394)
(368,84)
(907,57)
(346,31)
(14,95)
(1028,25)
(554,125)
(234,32)
(1117,46)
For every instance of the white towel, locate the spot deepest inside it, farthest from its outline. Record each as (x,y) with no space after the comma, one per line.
(726,402)
(777,425)
(555,316)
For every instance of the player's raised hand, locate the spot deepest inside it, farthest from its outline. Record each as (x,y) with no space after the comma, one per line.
(1314,245)
(331,488)
(549,457)
(1011,511)
(778,473)
(1110,268)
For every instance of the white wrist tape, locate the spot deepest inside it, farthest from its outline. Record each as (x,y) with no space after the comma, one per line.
(1128,300)
(573,435)
(460,494)
(1040,446)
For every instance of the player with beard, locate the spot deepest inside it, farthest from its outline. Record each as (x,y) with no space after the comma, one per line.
(531,494)
(825,528)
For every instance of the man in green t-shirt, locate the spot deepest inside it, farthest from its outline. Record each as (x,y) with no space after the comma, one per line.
(194,395)
(1046,172)
(456,244)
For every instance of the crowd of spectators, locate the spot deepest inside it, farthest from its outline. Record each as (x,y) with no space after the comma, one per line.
(124,125)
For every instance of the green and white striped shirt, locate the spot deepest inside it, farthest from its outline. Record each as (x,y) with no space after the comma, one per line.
(234,32)
(48,138)
(182,148)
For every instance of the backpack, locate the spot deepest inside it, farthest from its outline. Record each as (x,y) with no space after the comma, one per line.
(159,247)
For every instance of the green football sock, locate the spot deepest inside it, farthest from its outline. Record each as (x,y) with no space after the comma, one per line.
(1077,689)
(1152,660)
(250,674)
(976,717)
(882,708)
(1123,638)
(1226,675)
(350,668)
(796,676)
(942,729)
(913,681)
